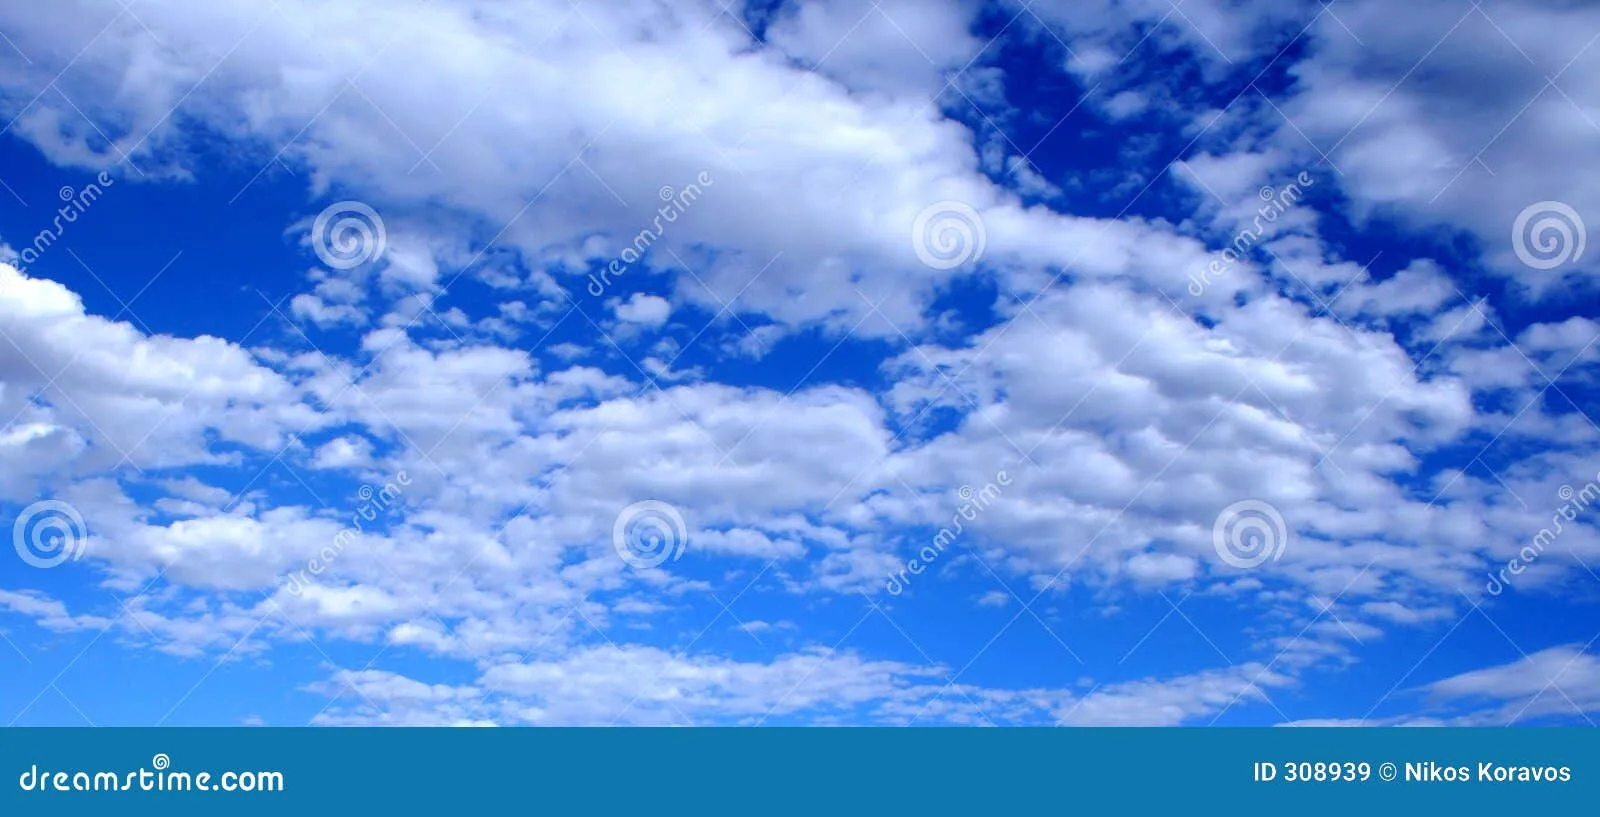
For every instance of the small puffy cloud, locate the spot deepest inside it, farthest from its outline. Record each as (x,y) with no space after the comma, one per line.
(648,310)
(343,452)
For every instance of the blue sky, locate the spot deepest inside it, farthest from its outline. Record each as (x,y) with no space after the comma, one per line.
(1254,344)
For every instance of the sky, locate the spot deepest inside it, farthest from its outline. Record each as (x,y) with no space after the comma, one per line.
(836,362)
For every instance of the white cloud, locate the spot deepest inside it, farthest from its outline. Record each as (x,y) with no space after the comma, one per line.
(343,452)
(1562,681)
(649,310)
(112,395)
(645,686)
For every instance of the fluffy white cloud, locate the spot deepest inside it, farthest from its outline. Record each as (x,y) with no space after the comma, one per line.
(1558,681)
(113,396)
(643,686)
(648,310)
(1400,105)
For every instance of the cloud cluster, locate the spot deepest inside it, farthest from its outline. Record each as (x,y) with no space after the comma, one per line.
(1129,412)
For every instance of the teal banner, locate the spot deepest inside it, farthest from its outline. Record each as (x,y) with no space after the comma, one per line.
(797,771)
